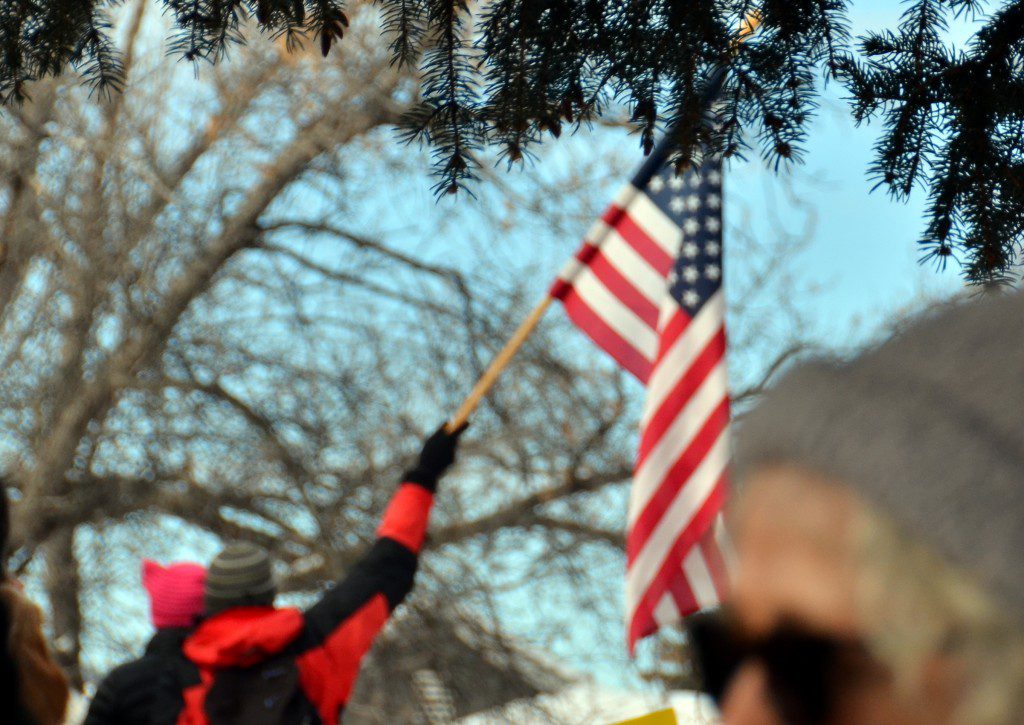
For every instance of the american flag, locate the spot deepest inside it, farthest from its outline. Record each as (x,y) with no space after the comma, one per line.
(646,286)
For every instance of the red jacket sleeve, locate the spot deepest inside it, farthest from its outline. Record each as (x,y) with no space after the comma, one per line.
(405,519)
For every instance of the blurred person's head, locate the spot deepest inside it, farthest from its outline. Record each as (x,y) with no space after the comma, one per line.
(239,576)
(878,531)
(175,593)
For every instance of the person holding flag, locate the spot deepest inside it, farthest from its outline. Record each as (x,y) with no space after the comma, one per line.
(257,663)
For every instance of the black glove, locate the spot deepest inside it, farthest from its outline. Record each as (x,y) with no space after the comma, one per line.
(438,453)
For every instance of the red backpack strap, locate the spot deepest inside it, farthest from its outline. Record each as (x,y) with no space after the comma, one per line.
(194,696)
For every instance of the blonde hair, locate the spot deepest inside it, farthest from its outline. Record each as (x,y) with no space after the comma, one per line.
(917,608)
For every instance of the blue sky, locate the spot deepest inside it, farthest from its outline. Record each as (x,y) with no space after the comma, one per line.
(863,259)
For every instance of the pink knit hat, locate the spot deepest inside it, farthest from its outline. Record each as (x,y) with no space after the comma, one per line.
(175,592)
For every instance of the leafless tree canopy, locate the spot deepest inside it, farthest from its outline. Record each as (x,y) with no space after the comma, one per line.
(219,318)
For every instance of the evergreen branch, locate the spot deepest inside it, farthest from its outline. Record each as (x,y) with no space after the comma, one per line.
(405,22)
(505,74)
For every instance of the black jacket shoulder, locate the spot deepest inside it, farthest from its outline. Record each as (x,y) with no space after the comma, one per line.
(146,691)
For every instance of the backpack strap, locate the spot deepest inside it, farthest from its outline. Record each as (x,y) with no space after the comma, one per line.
(268,693)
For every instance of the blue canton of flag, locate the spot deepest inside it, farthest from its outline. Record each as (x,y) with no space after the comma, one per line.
(694,202)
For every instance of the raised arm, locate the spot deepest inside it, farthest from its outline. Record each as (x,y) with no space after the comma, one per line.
(341,627)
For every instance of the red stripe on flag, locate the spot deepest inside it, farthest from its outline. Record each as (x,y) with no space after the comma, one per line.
(671,332)
(637,238)
(605,337)
(682,594)
(676,400)
(559,289)
(675,480)
(623,289)
(642,621)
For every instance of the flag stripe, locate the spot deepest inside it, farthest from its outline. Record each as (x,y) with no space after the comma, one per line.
(699,578)
(621,280)
(665,453)
(669,487)
(655,225)
(627,325)
(724,544)
(624,353)
(639,240)
(643,270)
(668,611)
(716,562)
(680,344)
(641,620)
(681,594)
(685,387)
(684,507)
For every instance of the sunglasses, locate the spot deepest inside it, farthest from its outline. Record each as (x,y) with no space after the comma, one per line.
(806,671)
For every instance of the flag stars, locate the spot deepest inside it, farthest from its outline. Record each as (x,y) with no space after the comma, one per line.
(693,201)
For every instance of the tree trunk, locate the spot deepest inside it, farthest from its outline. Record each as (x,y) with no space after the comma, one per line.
(62,584)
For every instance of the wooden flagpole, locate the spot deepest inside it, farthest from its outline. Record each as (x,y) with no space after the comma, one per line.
(528,325)
(500,362)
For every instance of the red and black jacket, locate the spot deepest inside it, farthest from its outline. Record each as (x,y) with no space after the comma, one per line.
(328,641)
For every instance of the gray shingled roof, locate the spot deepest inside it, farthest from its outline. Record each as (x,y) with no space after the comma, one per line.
(477,668)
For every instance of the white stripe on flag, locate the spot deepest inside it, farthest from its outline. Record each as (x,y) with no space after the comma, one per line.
(676,517)
(655,224)
(615,314)
(666,612)
(699,578)
(668,309)
(675,440)
(648,281)
(687,347)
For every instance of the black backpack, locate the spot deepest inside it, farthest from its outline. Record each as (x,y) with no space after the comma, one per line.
(267,693)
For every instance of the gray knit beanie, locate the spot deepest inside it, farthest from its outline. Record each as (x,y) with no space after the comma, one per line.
(928,428)
(239,576)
